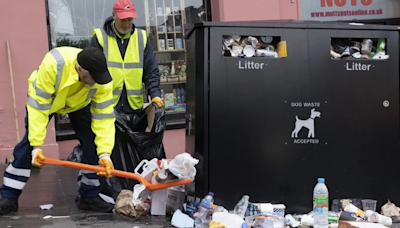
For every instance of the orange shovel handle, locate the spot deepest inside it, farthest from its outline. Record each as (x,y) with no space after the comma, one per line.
(114,172)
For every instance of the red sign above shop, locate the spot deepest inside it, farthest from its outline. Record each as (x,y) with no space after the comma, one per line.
(341,3)
(337,10)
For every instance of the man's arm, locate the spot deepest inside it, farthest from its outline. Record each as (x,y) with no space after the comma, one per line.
(40,100)
(94,42)
(151,75)
(103,119)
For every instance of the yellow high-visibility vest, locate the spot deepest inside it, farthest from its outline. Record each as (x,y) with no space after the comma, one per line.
(55,88)
(128,70)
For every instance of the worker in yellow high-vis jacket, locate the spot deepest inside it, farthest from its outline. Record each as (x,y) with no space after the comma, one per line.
(75,82)
(130,58)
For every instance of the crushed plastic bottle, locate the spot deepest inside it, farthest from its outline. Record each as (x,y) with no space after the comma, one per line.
(241,206)
(205,211)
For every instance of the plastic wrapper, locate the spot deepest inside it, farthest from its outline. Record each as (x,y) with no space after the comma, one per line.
(76,155)
(182,166)
(268,220)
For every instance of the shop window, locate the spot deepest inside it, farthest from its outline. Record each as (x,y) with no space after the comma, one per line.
(165,21)
(359,48)
(253,46)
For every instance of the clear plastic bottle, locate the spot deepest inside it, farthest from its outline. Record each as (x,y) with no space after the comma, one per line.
(321,204)
(241,206)
(205,211)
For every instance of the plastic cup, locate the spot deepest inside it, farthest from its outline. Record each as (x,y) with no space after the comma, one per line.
(369,204)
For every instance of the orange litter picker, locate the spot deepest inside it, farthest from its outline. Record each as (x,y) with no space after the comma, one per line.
(119,173)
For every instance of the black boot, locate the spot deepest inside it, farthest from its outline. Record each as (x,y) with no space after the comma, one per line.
(8,205)
(96,204)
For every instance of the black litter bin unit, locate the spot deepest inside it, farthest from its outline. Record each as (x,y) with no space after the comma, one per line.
(269,127)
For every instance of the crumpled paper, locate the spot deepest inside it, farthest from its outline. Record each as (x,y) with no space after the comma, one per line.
(182,166)
(124,205)
(390,210)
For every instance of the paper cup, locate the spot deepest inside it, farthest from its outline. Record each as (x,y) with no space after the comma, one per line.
(249,51)
(375,217)
(307,220)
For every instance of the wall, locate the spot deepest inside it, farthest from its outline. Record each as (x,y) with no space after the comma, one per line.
(254,10)
(23,23)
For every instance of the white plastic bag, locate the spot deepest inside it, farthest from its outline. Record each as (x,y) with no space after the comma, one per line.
(182,166)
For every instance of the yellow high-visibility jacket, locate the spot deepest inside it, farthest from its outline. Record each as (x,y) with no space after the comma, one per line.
(128,71)
(55,88)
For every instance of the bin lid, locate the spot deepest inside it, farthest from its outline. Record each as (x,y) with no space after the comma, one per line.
(295,24)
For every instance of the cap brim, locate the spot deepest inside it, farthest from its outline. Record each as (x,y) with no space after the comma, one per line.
(102,78)
(126,14)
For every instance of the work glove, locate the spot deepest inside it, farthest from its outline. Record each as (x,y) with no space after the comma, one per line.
(157,101)
(105,162)
(37,154)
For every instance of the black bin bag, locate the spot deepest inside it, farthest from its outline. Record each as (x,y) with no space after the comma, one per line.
(138,137)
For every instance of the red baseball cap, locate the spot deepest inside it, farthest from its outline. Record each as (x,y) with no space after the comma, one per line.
(125,9)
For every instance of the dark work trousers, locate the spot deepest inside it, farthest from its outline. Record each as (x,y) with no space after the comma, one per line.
(18,173)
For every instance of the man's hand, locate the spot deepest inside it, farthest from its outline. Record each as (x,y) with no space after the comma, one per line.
(105,162)
(157,101)
(37,153)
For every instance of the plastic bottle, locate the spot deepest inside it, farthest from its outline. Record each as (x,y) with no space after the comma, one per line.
(241,206)
(162,173)
(205,211)
(321,201)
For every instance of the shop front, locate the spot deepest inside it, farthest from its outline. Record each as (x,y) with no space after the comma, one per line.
(165,22)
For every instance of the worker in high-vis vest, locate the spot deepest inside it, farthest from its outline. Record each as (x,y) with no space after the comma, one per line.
(75,82)
(130,58)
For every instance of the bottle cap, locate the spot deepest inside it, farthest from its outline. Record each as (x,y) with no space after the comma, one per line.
(321,180)
(210,193)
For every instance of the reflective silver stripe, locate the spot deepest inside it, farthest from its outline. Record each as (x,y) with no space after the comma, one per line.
(91,93)
(36,104)
(18,172)
(133,65)
(134,92)
(84,172)
(114,64)
(13,183)
(40,92)
(90,182)
(60,67)
(102,105)
(141,47)
(100,116)
(117,92)
(105,43)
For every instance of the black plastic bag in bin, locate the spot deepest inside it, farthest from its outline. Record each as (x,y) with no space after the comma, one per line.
(138,137)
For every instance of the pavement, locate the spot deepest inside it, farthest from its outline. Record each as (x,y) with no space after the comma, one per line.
(57,185)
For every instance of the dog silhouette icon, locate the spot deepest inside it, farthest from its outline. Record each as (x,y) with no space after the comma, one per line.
(308,123)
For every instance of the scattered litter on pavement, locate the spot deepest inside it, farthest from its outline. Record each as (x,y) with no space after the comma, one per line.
(46,206)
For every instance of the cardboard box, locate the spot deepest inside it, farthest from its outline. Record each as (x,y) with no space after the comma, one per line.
(175,200)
